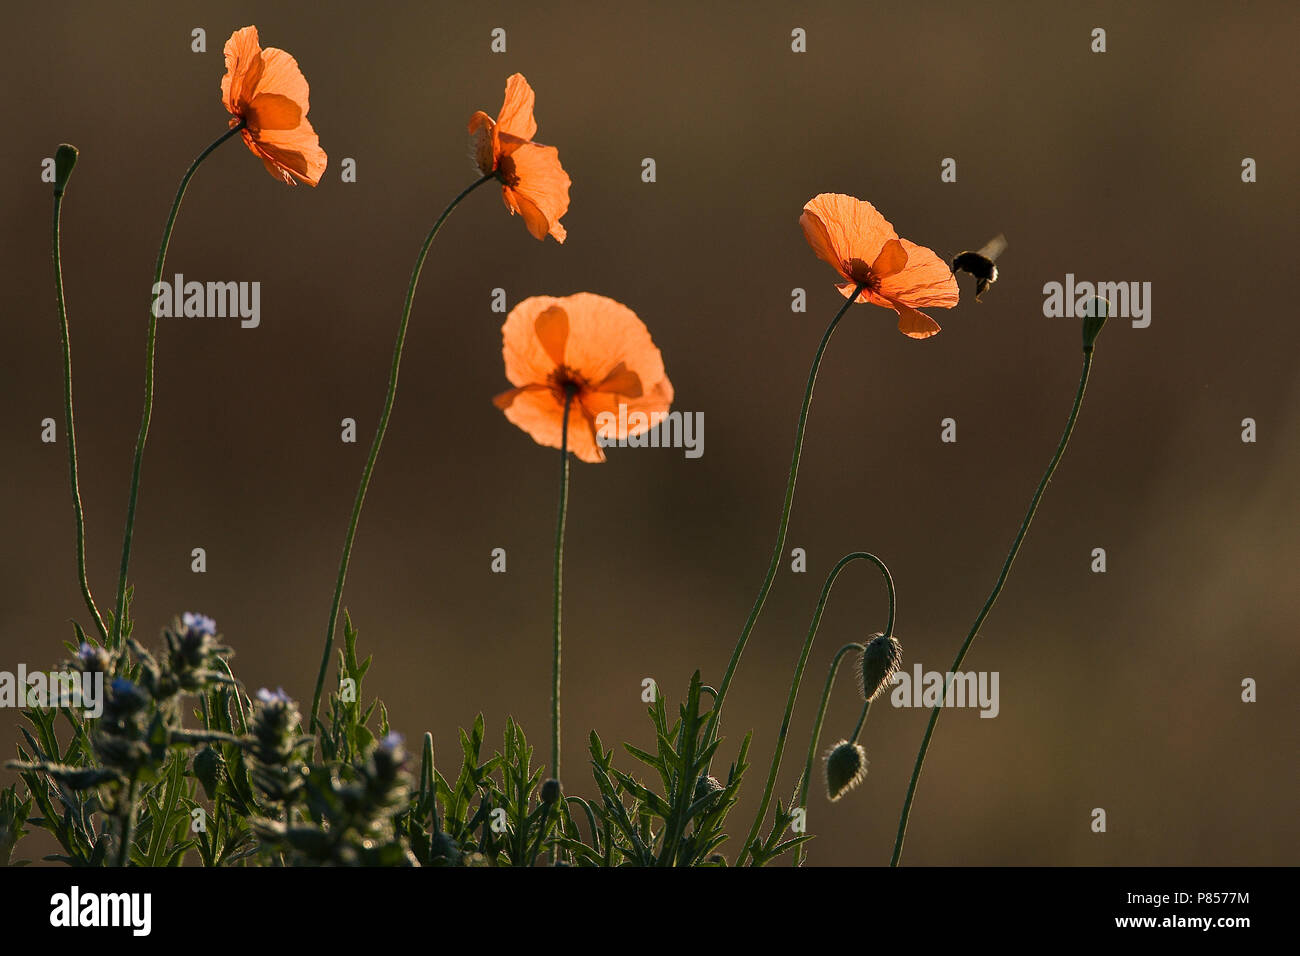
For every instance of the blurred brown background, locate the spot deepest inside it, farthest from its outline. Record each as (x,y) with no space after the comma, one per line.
(1119,690)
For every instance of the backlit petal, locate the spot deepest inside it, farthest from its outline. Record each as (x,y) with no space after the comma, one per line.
(243,55)
(541,415)
(926,280)
(892,259)
(604,333)
(552,328)
(516,116)
(541,189)
(525,357)
(850,229)
(914,324)
(273,111)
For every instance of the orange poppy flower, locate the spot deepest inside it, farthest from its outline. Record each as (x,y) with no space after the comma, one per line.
(266,90)
(592,348)
(895,273)
(533,183)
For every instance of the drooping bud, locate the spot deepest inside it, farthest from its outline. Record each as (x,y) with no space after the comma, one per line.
(208,764)
(879,661)
(550,790)
(65,158)
(1094,317)
(846,765)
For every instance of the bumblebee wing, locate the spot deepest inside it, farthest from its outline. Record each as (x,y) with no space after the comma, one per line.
(994,247)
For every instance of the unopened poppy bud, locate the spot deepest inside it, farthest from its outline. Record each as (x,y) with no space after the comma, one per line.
(550,790)
(846,765)
(880,660)
(207,767)
(64,159)
(1094,317)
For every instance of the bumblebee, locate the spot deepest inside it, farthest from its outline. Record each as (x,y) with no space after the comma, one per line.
(981,264)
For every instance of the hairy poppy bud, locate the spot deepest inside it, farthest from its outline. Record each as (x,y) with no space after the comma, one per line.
(550,790)
(880,660)
(207,767)
(846,765)
(1094,317)
(64,159)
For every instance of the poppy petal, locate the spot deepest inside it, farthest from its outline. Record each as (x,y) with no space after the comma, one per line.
(818,237)
(273,111)
(281,74)
(243,55)
(526,359)
(604,333)
(480,142)
(295,151)
(846,290)
(926,280)
(506,398)
(654,404)
(540,190)
(892,260)
(516,116)
(541,415)
(851,229)
(914,324)
(552,328)
(622,381)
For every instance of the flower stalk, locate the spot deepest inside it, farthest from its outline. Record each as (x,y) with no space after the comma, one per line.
(797,682)
(779,550)
(1091,327)
(377,442)
(150,349)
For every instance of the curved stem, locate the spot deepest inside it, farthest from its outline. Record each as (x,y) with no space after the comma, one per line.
(716,715)
(862,722)
(70,426)
(559,587)
(798,680)
(150,347)
(375,444)
(817,732)
(988,605)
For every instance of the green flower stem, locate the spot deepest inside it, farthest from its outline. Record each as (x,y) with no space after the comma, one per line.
(375,444)
(559,587)
(777,552)
(988,605)
(150,348)
(126,824)
(798,680)
(862,722)
(817,732)
(68,422)
(558,595)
